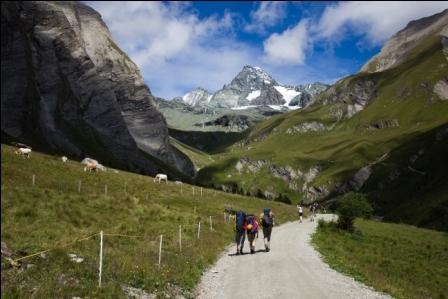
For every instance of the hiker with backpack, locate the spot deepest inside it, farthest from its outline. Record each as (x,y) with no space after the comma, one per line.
(267,222)
(252,231)
(313,211)
(300,212)
(240,231)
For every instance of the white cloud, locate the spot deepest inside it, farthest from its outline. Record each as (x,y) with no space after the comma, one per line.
(152,32)
(376,20)
(174,49)
(268,14)
(288,47)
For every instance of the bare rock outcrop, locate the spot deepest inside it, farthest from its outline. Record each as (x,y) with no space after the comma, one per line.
(67,85)
(403,42)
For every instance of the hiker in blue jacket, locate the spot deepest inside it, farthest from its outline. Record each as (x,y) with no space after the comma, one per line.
(240,231)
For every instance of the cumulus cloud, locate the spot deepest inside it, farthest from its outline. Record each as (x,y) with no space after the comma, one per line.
(268,14)
(376,20)
(177,50)
(174,48)
(288,47)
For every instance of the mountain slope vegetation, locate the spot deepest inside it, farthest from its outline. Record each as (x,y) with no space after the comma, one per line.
(382,133)
(133,212)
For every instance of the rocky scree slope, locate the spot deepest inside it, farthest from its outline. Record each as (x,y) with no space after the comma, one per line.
(67,87)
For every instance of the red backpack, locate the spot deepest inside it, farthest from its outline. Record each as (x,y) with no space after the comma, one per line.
(253,221)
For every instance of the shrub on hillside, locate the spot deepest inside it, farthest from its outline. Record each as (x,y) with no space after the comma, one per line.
(351,206)
(283,198)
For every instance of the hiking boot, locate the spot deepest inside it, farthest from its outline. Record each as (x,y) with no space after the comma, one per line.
(252,251)
(241,251)
(267,248)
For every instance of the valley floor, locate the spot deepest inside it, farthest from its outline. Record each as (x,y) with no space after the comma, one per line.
(292,269)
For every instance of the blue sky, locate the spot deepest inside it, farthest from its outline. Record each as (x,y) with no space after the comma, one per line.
(182,45)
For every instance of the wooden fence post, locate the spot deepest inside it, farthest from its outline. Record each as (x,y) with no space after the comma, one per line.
(160,250)
(180,237)
(211,225)
(199,229)
(79,186)
(101,258)
(105,190)
(34,179)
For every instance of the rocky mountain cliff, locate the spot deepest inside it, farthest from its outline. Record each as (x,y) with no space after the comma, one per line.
(68,87)
(401,44)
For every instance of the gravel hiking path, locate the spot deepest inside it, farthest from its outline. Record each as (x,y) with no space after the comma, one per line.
(292,269)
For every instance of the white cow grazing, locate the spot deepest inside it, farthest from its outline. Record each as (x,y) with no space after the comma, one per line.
(23,151)
(161,177)
(64,159)
(87,161)
(178,182)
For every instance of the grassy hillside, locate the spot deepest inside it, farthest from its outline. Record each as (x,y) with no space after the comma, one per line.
(404,261)
(133,213)
(402,117)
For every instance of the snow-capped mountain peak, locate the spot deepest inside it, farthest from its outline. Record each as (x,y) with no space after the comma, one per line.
(252,86)
(197,96)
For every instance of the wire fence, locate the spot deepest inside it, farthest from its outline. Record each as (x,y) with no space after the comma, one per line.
(99,252)
(155,250)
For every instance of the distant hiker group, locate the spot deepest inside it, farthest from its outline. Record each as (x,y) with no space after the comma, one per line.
(247,224)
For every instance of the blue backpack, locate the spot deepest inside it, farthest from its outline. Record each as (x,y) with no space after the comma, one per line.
(240,219)
(267,220)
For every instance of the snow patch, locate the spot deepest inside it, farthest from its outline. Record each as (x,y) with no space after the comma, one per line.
(287,93)
(253,95)
(244,107)
(277,107)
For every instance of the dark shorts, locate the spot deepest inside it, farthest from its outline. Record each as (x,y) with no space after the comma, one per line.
(300,214)
(267,231)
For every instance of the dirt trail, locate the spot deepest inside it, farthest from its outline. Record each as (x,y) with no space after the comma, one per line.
(292,269)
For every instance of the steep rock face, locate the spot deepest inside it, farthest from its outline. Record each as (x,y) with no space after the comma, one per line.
(403,42)
(248,80)
(67,85)
(269,96)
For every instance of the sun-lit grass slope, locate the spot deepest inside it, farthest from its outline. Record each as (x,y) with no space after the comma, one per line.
(404,261)
(199,158)
(403,124)
(54,212)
